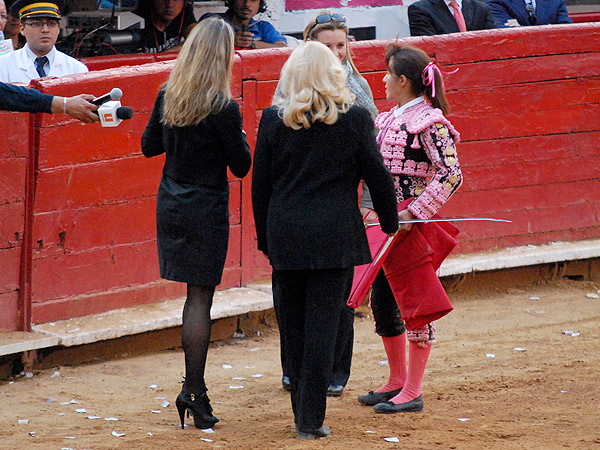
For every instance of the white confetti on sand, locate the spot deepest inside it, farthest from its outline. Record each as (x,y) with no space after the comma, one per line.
(490,355)
(463,419)
(520,349)
(392,439)
(236,387)
(114,433)
(227,366)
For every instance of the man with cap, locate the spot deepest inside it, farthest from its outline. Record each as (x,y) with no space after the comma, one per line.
(39,57)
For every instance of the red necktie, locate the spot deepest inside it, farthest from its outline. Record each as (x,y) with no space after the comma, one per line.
(458,16)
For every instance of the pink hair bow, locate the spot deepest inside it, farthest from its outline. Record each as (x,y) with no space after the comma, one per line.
(429,76)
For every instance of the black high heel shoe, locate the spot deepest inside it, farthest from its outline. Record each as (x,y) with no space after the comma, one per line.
(199,405)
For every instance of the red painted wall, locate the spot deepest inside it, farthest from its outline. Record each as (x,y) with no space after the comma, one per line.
(77,231)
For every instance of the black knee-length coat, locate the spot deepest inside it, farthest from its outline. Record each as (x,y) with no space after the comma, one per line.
(192,208)
(305,191)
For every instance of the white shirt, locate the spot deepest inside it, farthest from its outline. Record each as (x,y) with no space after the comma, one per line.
(19,67)
(400,109)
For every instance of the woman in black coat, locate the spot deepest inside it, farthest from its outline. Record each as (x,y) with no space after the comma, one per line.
(313,149)
(198,125)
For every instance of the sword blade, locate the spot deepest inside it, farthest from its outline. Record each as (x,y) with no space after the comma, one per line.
(449,219)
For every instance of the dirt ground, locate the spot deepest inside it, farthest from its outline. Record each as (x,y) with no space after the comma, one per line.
(480,390)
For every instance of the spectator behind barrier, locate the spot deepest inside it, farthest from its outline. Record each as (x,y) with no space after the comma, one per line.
(39,57)
(168,23)
(516,13)
(431,17)
(12,30)
(250,33)
(3,16)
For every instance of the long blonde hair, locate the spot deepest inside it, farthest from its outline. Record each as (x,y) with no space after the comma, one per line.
(313,87)
(199,83)
(312,30)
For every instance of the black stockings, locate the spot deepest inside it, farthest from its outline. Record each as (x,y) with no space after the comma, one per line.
(195,334)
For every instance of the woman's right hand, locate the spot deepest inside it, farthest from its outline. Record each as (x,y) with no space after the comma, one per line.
(369,215)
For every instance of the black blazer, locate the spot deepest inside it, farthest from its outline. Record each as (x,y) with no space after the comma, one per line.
(431,17)
(305,191)
(199,154)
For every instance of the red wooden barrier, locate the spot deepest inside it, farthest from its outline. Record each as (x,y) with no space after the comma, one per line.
(77,231)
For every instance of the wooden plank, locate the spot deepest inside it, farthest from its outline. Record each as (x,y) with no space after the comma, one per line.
(104,182)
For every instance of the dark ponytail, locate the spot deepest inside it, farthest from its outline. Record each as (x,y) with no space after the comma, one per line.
(412,63)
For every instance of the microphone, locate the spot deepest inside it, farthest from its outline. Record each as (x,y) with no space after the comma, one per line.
(124,112)
(114,94)
(112,113)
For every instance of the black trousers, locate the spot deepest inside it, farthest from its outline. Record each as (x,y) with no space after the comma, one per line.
(344,344)
(387,315)
(308,305)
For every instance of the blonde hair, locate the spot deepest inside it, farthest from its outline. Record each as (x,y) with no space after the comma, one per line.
(312,30)
(199,82)
(313,87)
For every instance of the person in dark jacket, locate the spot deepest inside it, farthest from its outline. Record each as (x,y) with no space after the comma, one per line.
(199,127)
(516,13)
(21,99)
(431,17)
(313,149)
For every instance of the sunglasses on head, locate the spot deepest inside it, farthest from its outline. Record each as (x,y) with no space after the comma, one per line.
(326,18)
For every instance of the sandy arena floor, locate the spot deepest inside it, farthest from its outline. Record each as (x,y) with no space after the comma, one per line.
(480,391)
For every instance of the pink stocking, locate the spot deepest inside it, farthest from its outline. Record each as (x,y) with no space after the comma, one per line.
(417,360)
(395,348)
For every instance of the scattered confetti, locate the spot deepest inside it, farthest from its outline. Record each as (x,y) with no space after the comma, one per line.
(463,419)
(70,402)
(534,298)
(383,363)
(31,433)
(156,411)
(370,431)
(238,378)
(490,355)
(257,375)
(153,386)
(149,433)
(160,398)
(165,404)
(112,419)
(55,374)
(206,440)
(592,295)
(23,421)
(94,417)
(520,349)
(208,430)
(69,437)
(250,367)
(80,410)
(236,387)
(50,400)
(392,439)
(227,366)
(540,312)
(114,433)
(28,374)
(66,448)
(563,392)
(571,333)
(255,349)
